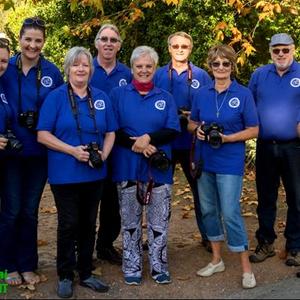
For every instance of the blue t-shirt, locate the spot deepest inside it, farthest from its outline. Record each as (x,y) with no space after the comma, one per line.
(183,93)
(236,112)
(119,76)
(137,115)
(278,101)
(56,116)
(51,78)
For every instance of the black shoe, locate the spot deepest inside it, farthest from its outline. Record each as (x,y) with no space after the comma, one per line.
(65,288)
(111,255)
(207,245)
(95,284)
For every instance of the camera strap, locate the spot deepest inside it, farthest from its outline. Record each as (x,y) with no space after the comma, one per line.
(195,164)
(189,79)
(75,112)
(7,118)
(38,82)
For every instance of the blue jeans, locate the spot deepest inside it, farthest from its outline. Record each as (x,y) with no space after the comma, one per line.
(220,205)
(20,192)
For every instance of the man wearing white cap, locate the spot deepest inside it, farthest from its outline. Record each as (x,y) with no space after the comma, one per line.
(276,89)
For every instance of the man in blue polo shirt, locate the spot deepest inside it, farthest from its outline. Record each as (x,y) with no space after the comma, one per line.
(183,79)
(276,89)
(109,73)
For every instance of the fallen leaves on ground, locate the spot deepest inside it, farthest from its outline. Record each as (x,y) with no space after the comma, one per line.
(42,243)
(249,214)
(48,210)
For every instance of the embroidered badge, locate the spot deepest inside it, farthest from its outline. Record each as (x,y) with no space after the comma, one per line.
(234,102)
(99,104)
(122,82)
(195,84)
(46,81)
(295,82)
(160,104)
(3,98)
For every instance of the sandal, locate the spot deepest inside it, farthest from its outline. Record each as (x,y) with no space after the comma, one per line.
(13,279)
(30,277)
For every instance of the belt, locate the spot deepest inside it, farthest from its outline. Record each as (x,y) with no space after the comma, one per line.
(279,142)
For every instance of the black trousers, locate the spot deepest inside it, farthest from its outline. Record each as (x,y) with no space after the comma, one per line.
(183,157)
(109,216)
(275,161)
(77,207)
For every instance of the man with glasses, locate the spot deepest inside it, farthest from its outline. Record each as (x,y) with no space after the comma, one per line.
(109,73)
(182,79)
(276,89)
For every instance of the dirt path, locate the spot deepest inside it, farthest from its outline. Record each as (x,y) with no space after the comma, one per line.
(186,256)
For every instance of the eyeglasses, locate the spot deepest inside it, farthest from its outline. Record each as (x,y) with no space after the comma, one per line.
(37,21)
(276,51)
(104,39)
(217,64)
(176,46)
(4,42)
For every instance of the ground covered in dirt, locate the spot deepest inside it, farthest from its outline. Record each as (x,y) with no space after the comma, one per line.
(186,256)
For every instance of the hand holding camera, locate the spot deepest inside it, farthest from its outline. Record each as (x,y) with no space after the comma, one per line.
(10,142)
(160,161)
(212,134)
(95,159)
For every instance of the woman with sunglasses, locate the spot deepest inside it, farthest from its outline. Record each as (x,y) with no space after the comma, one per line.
(223,117)
(77,125)
(27,81)
(148,122)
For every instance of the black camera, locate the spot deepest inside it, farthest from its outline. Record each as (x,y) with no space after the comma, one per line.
(13,143)
(28,119)
(95,157)
(160,161)
(183,119)
(212,134)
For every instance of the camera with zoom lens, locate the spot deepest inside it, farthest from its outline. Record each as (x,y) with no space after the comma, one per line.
(28,119)
(95,157)
(159,160)
(212,134)
(13,143)
(183,119)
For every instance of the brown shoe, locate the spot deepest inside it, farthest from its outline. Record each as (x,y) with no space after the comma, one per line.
(262,252)
(293,258)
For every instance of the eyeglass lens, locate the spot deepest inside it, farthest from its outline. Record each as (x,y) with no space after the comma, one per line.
(176,46)
(225,64)
(283,50)
(104,39)
(31,21)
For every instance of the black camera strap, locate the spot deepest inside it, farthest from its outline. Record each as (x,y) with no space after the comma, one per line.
(38,82)
(189,79)
(75,112)
(195,164)
(7,118)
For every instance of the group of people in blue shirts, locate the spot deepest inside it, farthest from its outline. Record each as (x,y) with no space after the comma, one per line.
(113,135)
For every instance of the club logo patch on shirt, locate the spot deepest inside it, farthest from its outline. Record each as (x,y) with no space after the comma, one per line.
(295,82)
(195,84)
(234,102)
(99,104)
(160,104)
(46,81)
(122,82)
(3,98)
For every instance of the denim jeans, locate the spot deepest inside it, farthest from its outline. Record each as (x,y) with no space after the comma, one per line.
(220,204)
(21,190)
(183,157)
(275,161)
(77,209)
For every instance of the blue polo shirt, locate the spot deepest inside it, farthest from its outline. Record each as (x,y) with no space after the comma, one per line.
(119,76)
(278,101)
(137,115)
(237,111)
(57,117)
(182,92)
(5,111)
(51,78)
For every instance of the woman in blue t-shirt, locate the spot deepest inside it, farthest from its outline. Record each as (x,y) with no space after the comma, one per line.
(27,81)
(77,125)
(223,117)
(148,122)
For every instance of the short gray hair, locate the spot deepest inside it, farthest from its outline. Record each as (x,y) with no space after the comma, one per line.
(141,51)
(72,55)
(182,34)
(109,26)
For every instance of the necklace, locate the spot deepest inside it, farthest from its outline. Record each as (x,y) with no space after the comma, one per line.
(218,108)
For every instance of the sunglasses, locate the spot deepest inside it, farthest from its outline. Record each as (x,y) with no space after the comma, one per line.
(283,50)
(217,64)
(34,21)
(104,39)
(4,42)
(176,46)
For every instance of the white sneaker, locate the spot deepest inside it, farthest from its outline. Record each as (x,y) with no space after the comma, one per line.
(248,281)
(210,269)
